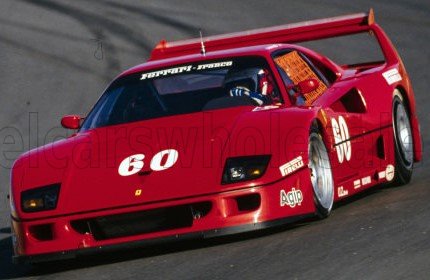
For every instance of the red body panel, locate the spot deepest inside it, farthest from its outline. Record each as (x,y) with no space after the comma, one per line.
(88,164)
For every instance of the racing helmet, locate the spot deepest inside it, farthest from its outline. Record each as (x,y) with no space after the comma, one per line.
(255,79)
(265,82)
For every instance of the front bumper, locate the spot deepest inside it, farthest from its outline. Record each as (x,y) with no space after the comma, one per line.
(72,254)
(58,237)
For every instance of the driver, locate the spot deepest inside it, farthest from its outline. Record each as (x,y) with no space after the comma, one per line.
(255,83)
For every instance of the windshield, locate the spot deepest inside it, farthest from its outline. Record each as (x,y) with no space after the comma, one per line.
(244,81)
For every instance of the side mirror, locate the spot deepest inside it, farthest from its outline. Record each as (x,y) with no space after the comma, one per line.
(71,122)
(308,85)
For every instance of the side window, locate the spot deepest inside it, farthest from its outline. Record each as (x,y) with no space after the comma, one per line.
(327,75)
(294,67)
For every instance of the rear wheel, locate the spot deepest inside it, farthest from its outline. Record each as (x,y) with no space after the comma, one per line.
(403,142)
(321,175)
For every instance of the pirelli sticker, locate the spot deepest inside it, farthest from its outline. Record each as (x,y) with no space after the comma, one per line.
(185,69)
(291,166)
(298,70)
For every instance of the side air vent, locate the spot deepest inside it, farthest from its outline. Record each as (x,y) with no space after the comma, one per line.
(351,102)
(380,147)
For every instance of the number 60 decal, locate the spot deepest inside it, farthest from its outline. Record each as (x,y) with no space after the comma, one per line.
(160,161)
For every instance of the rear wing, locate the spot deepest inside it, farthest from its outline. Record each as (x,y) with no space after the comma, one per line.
(287,34)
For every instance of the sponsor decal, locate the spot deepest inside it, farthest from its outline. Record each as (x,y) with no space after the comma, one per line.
(160,161)
(166,72)
(357,184)
(291,198)
(392,76)
(299,70)
(265,108)
(341,139)
(362,182)
(366,180)
(389,172)
(341,192)
(184,69)
(291,166)
(213,65)
(274,46)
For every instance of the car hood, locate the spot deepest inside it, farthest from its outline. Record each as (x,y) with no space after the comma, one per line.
(87,164)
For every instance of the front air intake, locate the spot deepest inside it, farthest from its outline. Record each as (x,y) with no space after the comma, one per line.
(135,223)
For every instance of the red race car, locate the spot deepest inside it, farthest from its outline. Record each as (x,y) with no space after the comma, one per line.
(216,136)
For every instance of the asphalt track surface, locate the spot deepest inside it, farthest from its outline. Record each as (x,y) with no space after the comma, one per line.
(56,57)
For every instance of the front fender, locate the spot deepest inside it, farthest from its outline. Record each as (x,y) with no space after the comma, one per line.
(281,133)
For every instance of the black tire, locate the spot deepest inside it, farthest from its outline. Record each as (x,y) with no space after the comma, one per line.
(321,174)
(403,142)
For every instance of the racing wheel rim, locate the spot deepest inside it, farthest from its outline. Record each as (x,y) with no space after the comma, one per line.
(320,168)
(404,134)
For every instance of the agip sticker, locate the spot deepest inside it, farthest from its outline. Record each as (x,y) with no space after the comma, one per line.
(292,198)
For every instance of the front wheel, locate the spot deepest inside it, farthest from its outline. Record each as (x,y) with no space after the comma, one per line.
(321,175)
(403,142)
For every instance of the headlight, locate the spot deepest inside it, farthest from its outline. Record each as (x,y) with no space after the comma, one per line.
(40,199)
(244,168)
